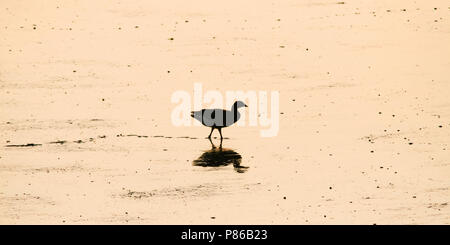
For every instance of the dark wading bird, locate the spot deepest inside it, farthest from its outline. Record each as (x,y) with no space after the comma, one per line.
(219,118)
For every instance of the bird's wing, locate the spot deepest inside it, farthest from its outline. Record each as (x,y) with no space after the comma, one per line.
(214,117)
(209,117)
(205,116)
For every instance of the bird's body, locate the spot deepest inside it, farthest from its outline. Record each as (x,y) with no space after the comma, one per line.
(219,118)
(216,118)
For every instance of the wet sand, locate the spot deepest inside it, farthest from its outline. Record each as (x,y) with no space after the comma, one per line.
(86,137)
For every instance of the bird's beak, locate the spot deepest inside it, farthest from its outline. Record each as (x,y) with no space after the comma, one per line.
(246,105)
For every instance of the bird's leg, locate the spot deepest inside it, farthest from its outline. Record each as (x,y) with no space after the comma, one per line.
(220,147)
(220,132)
(209,136)
(212,144)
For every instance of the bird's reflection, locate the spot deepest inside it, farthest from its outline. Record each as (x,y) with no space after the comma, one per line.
(218,157)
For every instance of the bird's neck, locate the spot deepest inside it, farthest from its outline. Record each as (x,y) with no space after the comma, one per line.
(235,112)
(234,108)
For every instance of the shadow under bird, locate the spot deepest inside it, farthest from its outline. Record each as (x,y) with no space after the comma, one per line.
(220,157)
(219,118)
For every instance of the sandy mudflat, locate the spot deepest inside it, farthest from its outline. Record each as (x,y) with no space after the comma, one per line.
(86,137)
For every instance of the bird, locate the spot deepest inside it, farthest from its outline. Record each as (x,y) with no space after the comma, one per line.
(219,118)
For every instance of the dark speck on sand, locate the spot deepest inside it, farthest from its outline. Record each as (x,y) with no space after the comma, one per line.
(58,142)
(24,145)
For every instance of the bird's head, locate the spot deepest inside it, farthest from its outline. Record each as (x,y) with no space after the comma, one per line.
(238,104)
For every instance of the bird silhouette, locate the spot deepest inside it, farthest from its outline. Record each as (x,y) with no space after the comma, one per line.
(219,118)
